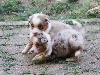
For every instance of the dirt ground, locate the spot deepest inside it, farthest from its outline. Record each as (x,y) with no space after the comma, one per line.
(12,62)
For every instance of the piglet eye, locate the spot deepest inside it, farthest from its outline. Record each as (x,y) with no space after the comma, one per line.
(40,27)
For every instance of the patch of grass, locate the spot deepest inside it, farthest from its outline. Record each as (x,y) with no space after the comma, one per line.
(69,22)
(94,31)
(46,67)
(59,8)
(3,51)
(21,26)
(16,11)
(71,67)
(52,74)
(8,74)
(6,56)
(6,36)
(72,1)
(90,70)
(11,6)
(4,44)
(75,71)
(26,72)
(6,27)
(9,9)
(56,60)
(39,62)
(43,73)
(7,59)
(94,22)
(80,21)
(8,65)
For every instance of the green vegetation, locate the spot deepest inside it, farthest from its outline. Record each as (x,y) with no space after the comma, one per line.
(6,56)
(72,0)
(43,73)
(26,72)
(6,36)
(10,8)
(94,30)
(8,65)
(15,10)
(7,60)
(90,70)
(72,68)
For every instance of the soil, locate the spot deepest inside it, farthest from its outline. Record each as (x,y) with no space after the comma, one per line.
(13,62)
